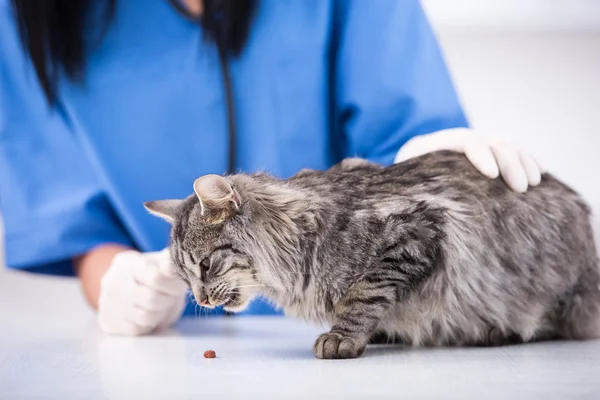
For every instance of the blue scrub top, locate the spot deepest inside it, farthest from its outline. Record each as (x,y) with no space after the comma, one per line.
(318,81)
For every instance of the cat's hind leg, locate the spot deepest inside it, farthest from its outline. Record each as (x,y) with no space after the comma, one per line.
(496,338)
(579,314)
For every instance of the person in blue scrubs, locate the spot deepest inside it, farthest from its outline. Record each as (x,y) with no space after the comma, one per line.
(105,105)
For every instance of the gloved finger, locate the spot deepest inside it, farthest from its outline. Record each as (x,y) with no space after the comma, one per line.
(448,139)
(511,168)
(145,318)
(145,321)
(532,170)
(150,275)
(478,151)
(411,149)
(144,297)
(165,264)
(173,314)
(116,316)
(541,167)
(121,327)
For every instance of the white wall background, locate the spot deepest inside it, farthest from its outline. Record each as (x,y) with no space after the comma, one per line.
(557,15)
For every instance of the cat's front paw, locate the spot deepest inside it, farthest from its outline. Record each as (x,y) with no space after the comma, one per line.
(335,346)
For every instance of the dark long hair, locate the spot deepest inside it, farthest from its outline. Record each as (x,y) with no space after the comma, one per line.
(54,32)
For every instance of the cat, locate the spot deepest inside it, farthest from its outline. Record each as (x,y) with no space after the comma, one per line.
(427,252)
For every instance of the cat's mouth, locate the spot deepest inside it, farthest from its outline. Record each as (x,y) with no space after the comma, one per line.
(233,299)
(234,303)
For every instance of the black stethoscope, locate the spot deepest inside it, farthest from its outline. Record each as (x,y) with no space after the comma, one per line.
(221,42)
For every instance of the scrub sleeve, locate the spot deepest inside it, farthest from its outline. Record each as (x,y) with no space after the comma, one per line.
(392,83)
(53,206)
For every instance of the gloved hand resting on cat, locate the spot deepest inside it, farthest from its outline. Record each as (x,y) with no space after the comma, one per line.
(490,156)
(140,293)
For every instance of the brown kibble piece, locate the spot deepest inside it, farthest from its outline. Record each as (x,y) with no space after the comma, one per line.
(210,354)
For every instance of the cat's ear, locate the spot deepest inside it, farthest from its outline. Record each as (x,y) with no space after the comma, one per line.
(165,209)
(216,196)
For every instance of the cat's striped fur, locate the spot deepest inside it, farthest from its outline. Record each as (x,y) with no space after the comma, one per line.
(428,252)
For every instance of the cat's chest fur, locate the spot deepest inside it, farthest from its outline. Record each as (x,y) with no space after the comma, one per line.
(315,303)
(347,249)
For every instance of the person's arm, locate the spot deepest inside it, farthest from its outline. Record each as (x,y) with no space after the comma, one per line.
(91,267)
(393,89)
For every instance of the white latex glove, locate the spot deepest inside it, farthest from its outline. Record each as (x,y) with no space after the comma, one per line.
(140,293)
(491,157)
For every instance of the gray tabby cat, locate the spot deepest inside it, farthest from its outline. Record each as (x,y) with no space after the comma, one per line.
(428,252)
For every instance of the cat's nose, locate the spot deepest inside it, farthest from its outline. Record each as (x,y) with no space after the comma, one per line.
(204,300)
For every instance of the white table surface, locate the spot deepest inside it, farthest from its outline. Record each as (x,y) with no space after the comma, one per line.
(50,347)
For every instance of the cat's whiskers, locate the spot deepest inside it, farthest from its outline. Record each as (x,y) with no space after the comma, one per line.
(267,286)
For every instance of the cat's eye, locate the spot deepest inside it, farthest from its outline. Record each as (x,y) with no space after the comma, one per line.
(205,263)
